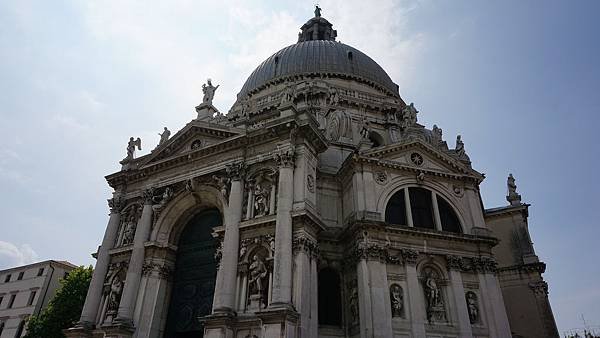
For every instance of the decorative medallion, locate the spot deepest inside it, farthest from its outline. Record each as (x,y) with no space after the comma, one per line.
(196,144)
(381,177)
(310,183)
(416,158)
(458,191)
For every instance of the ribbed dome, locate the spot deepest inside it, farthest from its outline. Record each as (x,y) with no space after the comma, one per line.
(319,57)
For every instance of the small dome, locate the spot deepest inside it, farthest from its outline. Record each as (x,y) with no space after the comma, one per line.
(316,54)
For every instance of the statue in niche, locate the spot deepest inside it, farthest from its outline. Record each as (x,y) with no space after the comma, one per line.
(364,129)
(261,200)
(354,304)
(131,147)
(258,272)
(472,307)
(114,290)
(397,300)
(164,137)
(433,296)
(209,92)
(129,227)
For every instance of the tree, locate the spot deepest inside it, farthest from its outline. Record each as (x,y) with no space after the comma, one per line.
(64,308)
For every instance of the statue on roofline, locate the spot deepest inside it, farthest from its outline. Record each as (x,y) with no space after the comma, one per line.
(209,92)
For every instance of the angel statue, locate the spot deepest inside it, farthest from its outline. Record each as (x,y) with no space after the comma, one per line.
(209,92)
(131,147)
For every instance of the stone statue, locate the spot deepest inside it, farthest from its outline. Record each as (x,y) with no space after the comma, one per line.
(131,147)
(512,187)
(354,304)
(409,115)
(209,92)
(317,11)
(258,271)
(288,94)
(364,130)
(460,147)
(334,98)
(114,295)
(163,199)
(261,201)
(222,183)
(437,133)
(432,293)
(129,231)
(472,307)
(164,136)
(396,300)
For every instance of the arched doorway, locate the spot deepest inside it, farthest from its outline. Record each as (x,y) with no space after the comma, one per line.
(195,275)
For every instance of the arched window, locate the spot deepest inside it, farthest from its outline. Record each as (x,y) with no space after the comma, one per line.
(449,219)
(419,210)
(330,298)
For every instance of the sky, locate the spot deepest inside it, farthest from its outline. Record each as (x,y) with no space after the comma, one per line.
(519,80)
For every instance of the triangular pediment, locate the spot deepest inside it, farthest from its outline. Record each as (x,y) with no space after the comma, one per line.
(421,155)
(194,136)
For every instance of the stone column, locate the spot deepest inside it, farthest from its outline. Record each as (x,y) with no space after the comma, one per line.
(380,299)
(415,299)
(224,300)
(155,294)
(136,263)
(494,302)
(464,323)
(364,299)
(409,220)
(436,212)
(314,296)
(94,294)
(302,282)
(282,268)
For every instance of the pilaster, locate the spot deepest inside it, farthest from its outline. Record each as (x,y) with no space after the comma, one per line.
(415,300)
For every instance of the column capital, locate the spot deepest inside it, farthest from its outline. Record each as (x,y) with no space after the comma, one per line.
(454,262)
(539,288)
(148,196)
(410,256)
(116,204)
(157,270)
(236,171)
(485,264)
(284,157)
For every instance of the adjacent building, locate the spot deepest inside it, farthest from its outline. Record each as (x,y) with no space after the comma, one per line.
(317,207)
(25,291)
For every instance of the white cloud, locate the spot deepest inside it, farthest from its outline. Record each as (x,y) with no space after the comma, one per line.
(11,255)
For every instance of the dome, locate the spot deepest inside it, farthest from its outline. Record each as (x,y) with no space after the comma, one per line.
(318,54)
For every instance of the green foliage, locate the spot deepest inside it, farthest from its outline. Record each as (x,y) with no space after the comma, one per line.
(64,309)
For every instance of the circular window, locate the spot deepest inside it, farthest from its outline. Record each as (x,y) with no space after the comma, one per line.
(416,158)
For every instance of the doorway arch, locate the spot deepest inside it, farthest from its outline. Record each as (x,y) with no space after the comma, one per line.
(194,277)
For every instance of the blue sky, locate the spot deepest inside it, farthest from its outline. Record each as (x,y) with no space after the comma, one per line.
(518,79)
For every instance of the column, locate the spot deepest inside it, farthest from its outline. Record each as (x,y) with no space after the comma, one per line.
(227,273)
(154,297)
(364,299)
(494,303)
(94,294)
(380,299)
(409,220)
(282,266)
(302,283)
(460,303)
(436,212)
(136,262)
(314,296)
(415,299)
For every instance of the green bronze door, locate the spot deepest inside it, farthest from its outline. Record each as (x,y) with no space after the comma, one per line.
(195,275)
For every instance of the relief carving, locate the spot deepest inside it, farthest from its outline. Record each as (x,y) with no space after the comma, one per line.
(397,300)
(472,307)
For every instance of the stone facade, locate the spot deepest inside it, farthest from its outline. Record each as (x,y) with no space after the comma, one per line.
(25,291)
(317,207)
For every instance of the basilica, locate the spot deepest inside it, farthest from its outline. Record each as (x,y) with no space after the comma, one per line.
(318,206)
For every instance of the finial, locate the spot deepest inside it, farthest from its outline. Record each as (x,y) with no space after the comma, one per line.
(317,11)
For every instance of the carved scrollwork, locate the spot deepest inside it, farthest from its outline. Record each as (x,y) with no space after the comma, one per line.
(264,240)
(307,245)
(484,264)
(157,270)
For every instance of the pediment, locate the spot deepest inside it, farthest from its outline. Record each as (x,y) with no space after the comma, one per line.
(421,155)
(194,136)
